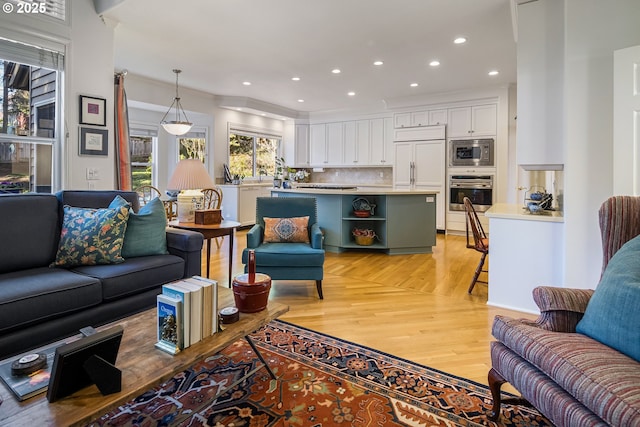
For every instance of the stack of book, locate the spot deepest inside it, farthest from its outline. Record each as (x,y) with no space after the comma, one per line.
(187,313)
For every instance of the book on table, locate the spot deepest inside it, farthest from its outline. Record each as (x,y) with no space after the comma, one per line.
(194,317)
(169,319)
(209,304)
(174,290)
(29,385)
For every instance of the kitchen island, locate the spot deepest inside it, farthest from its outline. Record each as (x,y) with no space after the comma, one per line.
(404,221)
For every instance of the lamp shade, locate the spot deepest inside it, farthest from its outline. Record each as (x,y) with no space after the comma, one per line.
(177,128)
(190,174)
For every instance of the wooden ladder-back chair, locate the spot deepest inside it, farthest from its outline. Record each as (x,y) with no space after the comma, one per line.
(146,193)
(213,200)
(480,240)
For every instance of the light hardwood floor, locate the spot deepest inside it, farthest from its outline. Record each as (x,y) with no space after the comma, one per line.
(412,306)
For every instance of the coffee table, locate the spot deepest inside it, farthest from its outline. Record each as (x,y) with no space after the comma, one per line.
(143,367)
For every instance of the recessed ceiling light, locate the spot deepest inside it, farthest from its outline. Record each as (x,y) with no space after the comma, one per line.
(262,114)
(378,63)
(414,85)
(351,93)
(494,72)
(434,63)
(460,40)
(239,109)
(300,100)
(336,71)
(295,79)
(246,83)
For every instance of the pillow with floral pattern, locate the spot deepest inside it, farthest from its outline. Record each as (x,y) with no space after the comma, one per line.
(91,236)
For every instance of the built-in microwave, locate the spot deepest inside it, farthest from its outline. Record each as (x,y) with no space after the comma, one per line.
(471,152)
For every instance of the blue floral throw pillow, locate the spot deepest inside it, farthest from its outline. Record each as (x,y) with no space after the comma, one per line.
(91,236)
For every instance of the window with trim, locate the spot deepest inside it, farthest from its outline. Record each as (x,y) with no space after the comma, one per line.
(30,117)
(193,145)
(252,153)
(141,146)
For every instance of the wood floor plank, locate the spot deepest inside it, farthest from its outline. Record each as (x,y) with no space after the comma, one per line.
(412,306)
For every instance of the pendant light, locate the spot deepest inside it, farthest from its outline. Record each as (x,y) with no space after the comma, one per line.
(177,126)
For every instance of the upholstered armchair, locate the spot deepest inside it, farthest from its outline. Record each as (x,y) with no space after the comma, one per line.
(287,245)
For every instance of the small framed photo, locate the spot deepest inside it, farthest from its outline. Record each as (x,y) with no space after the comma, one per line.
(93,111)
(94,142)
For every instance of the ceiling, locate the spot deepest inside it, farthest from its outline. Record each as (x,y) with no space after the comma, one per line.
(222,43)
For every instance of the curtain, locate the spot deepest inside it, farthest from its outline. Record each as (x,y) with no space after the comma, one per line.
(123,161)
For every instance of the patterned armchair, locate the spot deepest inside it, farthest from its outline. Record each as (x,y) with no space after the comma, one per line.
(576,377)
(287,248)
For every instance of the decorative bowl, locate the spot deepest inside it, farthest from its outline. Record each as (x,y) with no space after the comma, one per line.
(362,214)
(364,240)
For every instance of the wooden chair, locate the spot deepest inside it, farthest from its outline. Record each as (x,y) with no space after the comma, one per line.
(213,200)
(146,193)
(480,240)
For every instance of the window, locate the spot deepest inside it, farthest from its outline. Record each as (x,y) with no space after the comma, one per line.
(251,153)
(193,145)
(141,155)
(29,117)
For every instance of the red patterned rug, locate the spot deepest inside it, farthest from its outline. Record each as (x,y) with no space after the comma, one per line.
(321,381)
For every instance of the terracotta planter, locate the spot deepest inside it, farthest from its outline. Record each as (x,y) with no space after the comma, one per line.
(251,290)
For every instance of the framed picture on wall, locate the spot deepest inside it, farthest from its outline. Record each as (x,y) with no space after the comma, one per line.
(93,111)
(94,142)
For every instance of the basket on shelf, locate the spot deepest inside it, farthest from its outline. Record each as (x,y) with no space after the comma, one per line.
(364,237)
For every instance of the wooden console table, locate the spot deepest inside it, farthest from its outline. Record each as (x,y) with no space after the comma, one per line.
(143,367)
(210,231)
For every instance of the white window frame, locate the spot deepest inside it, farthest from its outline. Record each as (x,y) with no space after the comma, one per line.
(248,130)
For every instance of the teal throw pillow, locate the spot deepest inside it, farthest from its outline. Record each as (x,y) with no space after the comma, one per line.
(613,313)
(91,236)
(146,230)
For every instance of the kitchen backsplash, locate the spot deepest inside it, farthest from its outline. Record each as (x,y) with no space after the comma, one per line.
(357,176)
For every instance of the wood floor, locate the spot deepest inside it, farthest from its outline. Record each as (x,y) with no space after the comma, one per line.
(412,306)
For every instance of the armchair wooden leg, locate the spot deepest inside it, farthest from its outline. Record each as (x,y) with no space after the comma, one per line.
(319,288)
(477,273)
(495,382)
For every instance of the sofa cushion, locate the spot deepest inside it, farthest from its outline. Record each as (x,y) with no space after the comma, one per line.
(40,294)
(613,313)
(91,236)
(30,231)
(286,230)
(601,378)
(134,275)
(146,229)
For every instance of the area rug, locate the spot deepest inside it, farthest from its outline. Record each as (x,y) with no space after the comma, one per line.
(321,381)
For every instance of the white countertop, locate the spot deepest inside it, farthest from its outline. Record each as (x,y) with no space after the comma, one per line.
(513,211)
(382,191)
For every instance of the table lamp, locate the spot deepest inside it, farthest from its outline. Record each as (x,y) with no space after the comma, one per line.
(190,176)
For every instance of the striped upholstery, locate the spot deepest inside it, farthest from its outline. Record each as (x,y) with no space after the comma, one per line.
(619,218)
(560,308)
(600,378)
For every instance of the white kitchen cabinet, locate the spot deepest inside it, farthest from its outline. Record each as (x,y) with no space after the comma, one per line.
(420,165)
(438,117)
(239,202)
(356,143)
(381,150)
(301,147)
(474,121)
(326,144)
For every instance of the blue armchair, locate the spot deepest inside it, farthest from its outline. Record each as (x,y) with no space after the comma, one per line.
(287,261)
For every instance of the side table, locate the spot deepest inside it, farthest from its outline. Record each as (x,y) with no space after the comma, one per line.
(210,231)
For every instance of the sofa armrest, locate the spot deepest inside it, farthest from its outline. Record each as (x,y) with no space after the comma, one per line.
(316,237)
(187,245)
(254,236)
(560,308)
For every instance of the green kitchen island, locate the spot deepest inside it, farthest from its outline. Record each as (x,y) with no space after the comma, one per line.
(404,221)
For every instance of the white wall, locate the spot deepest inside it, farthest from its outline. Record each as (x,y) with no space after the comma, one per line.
(593,30)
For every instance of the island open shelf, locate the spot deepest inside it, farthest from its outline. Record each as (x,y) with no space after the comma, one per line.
(403,221)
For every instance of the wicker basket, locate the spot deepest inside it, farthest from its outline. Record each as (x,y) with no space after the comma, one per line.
(364,240)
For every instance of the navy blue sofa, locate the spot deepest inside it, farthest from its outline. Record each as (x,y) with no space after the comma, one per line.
(40,304)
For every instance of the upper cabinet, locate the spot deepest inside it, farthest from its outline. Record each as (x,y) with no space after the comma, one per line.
(326,142)
(539,132)
(381,142)
(478,120)
(420,118)
(301,148)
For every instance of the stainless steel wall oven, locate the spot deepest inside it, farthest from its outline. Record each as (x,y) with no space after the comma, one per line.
(478,188)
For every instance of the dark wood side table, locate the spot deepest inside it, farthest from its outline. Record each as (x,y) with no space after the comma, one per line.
(210,231)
